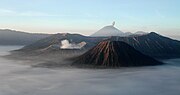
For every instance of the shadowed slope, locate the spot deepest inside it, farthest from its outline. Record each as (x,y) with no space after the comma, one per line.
(115,54)
(153,44)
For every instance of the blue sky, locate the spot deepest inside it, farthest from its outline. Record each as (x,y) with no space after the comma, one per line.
(88,16)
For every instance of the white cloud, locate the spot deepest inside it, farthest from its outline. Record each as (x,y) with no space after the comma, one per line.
(5,12)
(30,13)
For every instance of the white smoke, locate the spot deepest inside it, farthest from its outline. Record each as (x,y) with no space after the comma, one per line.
(65,44)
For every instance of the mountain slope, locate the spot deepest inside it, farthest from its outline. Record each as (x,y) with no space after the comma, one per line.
(11,37)
(153,44)
(58,38)
(115,54)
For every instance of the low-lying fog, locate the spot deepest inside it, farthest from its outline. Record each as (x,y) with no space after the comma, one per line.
(22,79)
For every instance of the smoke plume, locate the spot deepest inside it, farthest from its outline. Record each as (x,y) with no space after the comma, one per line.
(65,44)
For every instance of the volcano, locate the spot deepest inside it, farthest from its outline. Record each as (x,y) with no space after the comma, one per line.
(114,54)
(56,39)
(108,31)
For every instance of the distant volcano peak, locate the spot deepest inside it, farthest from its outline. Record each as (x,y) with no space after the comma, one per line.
(109,30)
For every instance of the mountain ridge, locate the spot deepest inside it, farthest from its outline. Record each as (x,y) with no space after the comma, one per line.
(13,37)
(151,44)
(57,38)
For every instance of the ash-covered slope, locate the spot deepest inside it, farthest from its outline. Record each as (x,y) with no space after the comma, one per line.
(57,39)
(114,54)
(153,44)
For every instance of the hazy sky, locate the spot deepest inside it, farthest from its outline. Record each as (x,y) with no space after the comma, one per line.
(88,16)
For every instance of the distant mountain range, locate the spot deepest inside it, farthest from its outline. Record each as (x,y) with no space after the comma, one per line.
(12,37)
(111,30)
(151,44)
